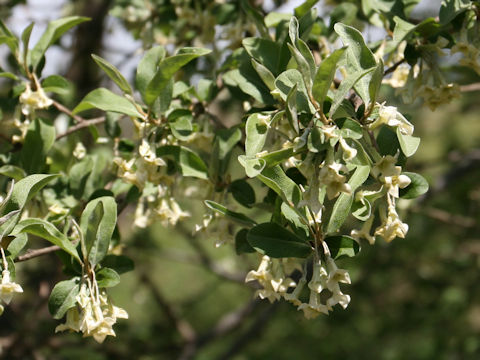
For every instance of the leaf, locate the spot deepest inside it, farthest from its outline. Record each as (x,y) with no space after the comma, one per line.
(8,75)
(253,166)
(304,8)
(187,162)
(17,245)
(57,84)
(267,52)
(107,277)
(341,208)
(54,31)
(286,81)
(241,244)
(78,176)
(26,39)
(265,74)
(345,86)
(276,179)
(13,172)
(451,8)
(248,81)
(120,263)
(22,192)
(180,122)
(256,17)
(418,186)
(232,215)
(277,242)
(243,192)
(409,144)
(256,131)
(106,100)
(342,246)
(97,224)
(38,141)
(325,75)
(148,67)
(225,141)
(359,58)
(113,73)
(63,297)
(47,231)
(362,211)
(167,68)
(349,128)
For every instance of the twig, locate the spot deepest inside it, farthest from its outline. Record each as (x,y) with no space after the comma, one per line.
(81,125)
(470,87)
(37,252)
(67,111)
(393,67)
(446,217)
(183,327)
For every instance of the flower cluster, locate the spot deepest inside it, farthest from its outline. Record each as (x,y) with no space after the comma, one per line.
(94,315)
(324,285)
(32,100)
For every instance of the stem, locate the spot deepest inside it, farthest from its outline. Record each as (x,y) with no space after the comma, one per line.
(81,125)
(37,252)
(67,111)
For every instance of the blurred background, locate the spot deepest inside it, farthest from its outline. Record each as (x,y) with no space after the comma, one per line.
(415,298)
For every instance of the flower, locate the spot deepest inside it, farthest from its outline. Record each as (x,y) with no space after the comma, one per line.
(435,96)
(392,226)
(314,307)
(390,116)
(32,100)
(8,288)
(387,172)
(335,182)
(399,76)
(364,232)
(79,152)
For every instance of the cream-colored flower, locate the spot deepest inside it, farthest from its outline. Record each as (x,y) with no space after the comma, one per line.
(169,212)
(293,296)
(319,278)
(388,173)
(314,307)
(335,182)
(435,96)
(392,226)
(348,152)
(72,321)
(399,76)
(32,100)
(364,232)
(8,288)
(79,152)
(390,116)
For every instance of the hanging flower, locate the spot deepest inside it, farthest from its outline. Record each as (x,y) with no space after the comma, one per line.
(392,226)
(8,288)
(335,182)
(32,100)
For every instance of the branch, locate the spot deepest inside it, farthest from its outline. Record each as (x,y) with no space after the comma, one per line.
(81,125)
(446,217)
(393,67)
(183,327)
(67,111)
(30,254)
(470,87)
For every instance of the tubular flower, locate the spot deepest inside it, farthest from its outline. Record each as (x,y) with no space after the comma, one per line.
(335,182)
(314,307)
(8,288)
(437,95)
(390,116)
(390,174)
(392,226)
(32,100)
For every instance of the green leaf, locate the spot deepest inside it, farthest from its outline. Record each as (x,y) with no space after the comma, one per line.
(106,100)
(107,277)
(47,231)
(113,74)
(265,74)
(63,297)
(359,58)
(341,208)
(23,191)
(225,141)
(6,37)
(79,174)
(451,8)
(387,141)
(26,40)
(167,69)
(97,224)
(349,128)
(276,179)
(362,211)
(8,75)
(243,192)
(248,81)
(253,166)
(148,67)
(418,186)
(342,246)
(57,84)
(232,215)
(54,31)
(13,172)
(38,141)
(286,81)
(241,244)
(187,162)
(325,75)
(276,157)
(17,245)
(120,263)
(304,8)
(409,144)
(346,85)
(277,242)
(180,122)
(256,17)
(267,52)
(256,131)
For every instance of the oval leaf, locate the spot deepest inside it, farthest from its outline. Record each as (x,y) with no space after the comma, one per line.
(342,246)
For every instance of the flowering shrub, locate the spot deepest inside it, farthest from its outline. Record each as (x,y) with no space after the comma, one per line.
(316,163)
